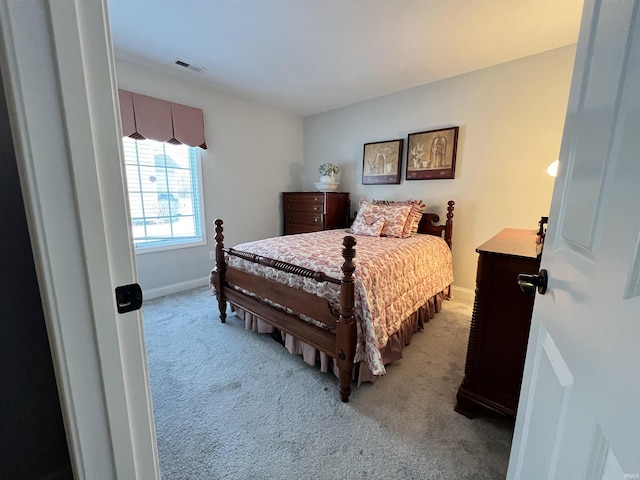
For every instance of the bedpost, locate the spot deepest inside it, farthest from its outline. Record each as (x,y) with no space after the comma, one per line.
(346,332)
(448,232)
(218,273)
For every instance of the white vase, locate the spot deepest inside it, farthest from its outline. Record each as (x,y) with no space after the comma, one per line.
(326,186)
(326,179)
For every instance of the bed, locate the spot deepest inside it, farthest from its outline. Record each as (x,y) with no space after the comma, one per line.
(349,307)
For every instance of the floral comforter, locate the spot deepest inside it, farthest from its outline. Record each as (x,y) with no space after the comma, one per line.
(393,278)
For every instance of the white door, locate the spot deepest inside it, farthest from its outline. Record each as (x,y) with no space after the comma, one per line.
(578,412)
(57,70)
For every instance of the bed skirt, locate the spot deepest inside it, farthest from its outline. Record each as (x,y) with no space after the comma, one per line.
(391,352)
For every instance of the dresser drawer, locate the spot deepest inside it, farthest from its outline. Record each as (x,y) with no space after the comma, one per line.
(302,218)
(304,207)
(292,228)
(304,203)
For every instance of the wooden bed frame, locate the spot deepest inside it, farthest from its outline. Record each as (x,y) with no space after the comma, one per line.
(339,339)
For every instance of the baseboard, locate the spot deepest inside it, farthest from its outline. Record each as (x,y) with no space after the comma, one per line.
(174,288)
(463,294)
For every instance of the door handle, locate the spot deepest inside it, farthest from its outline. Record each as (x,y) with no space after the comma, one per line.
(530,282)
(128,298)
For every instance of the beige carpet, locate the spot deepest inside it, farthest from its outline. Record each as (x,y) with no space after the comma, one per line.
(234,404)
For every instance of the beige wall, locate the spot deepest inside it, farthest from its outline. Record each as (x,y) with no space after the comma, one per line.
(254,152)
(511,118)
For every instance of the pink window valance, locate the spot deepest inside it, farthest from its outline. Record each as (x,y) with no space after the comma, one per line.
(145,117)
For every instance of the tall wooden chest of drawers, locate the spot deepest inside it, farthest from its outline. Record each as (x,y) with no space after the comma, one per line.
(314,211)
(500,324)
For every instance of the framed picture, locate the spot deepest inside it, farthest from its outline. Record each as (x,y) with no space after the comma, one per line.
(382,162)
(432,154)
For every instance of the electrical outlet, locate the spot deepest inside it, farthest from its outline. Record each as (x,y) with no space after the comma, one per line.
(212,255)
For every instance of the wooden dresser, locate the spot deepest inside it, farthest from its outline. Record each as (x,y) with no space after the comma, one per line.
(500,324)
(314,211)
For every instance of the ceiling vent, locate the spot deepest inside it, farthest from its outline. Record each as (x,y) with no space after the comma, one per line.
(190,66)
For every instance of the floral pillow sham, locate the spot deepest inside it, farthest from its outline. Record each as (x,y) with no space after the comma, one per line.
(369,221)
(395,218)
(411,225)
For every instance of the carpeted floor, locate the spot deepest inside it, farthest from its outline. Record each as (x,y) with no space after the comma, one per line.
(234,404)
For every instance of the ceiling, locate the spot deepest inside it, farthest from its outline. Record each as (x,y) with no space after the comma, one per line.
(310,56)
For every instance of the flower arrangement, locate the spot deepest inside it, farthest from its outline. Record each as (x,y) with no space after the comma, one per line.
(327,177)
(328,169)
(417,152)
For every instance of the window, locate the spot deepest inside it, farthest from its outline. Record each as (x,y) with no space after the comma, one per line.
(164,188)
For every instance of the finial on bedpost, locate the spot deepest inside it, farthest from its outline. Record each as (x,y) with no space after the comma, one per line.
(348,253)
(448,234)
(218,273)
(346,328)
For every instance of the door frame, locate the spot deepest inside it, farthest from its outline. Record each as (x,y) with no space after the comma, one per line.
(58,71)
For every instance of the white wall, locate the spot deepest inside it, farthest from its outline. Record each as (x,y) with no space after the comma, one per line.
(254,152)
(511,118)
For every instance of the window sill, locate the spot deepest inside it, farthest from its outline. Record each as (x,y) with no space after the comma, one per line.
(173,246)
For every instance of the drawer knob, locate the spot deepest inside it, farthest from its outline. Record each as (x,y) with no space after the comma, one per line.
(315,219)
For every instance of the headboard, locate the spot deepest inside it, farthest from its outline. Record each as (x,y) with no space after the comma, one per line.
(429,224)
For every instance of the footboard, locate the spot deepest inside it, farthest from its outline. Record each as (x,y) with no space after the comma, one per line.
(284,307)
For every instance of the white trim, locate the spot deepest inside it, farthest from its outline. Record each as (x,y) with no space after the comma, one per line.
(62,102)
(29,136)
(173,246)
(175,288)
(86,69)
(201,199)
(463,294)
